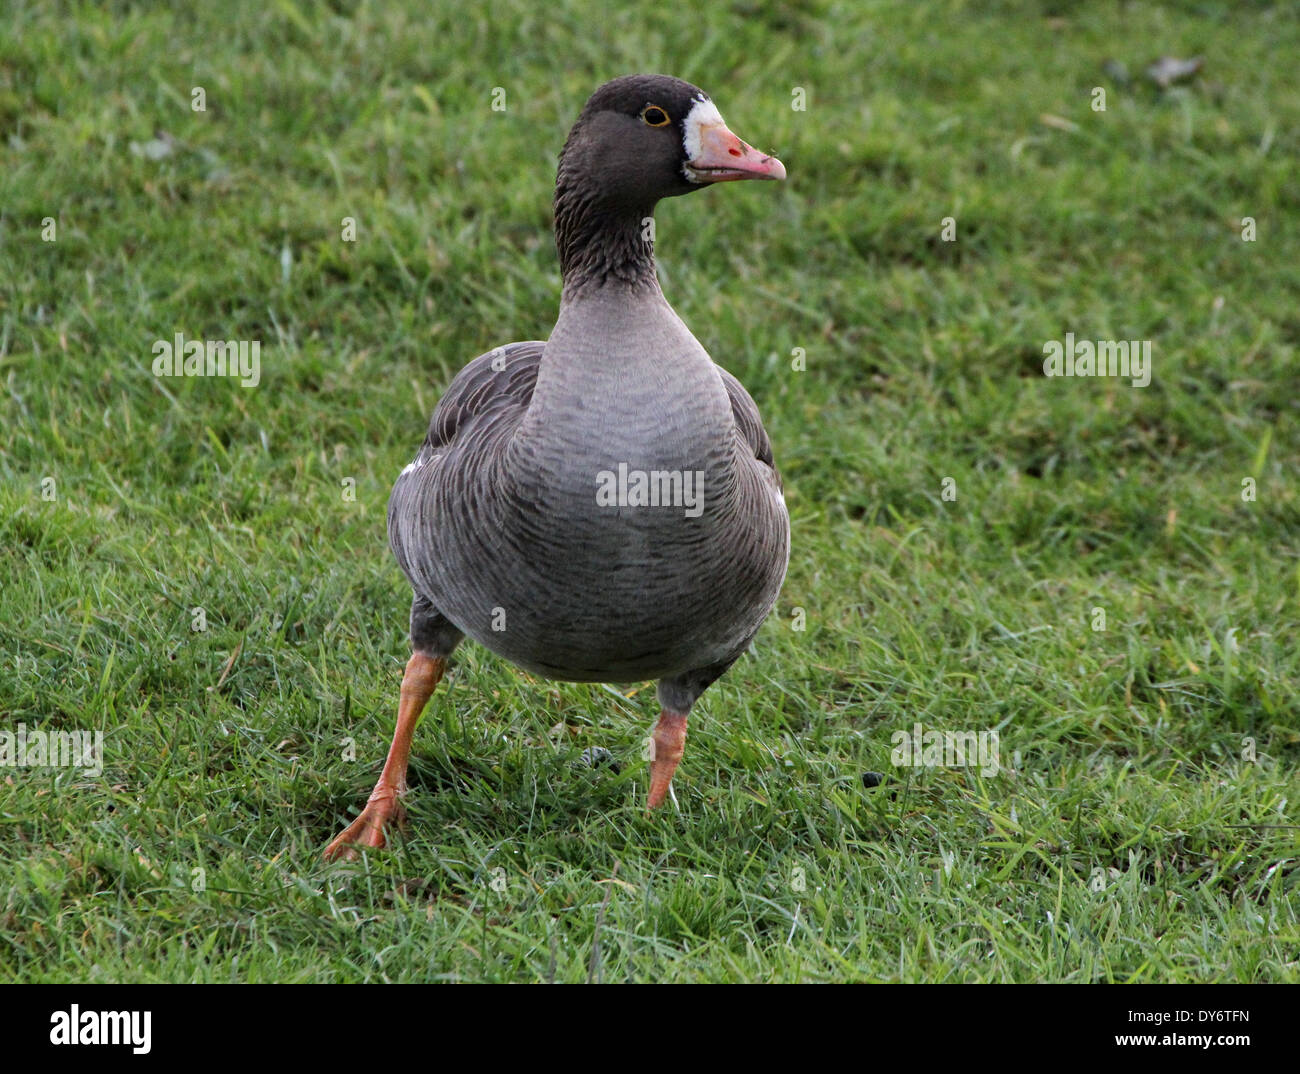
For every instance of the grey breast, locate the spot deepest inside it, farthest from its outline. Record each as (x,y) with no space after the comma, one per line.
(509,530)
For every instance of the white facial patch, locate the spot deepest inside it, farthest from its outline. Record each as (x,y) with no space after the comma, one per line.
(703,113)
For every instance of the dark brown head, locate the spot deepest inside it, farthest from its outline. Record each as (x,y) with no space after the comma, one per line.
(645,137)
(641,138)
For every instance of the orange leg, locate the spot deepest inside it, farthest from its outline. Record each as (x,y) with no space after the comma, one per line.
(385,804)
(669,740)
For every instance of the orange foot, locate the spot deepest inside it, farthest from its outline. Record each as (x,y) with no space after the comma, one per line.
(385,805)
(669,742)
(383,808)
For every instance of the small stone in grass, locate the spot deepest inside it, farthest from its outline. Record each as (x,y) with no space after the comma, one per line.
(872,779)
(1167,70)
(597,756)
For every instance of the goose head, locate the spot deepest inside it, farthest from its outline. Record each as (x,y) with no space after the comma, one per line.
(638,140)
(645,137)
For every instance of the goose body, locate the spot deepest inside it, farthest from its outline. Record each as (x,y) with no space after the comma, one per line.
(602,506)
(501,530)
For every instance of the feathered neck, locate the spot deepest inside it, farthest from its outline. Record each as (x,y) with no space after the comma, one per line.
(601,243)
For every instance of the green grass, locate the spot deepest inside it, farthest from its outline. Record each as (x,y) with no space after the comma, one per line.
(1128,837)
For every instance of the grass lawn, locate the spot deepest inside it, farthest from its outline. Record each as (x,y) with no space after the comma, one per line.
(200,570)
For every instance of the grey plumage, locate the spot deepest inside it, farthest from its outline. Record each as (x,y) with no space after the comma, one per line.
(496,523)
(511,524)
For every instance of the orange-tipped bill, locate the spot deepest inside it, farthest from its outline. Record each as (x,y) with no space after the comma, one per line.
(725,158)
(715,155)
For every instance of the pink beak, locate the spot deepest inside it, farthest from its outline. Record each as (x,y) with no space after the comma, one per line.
(724,158)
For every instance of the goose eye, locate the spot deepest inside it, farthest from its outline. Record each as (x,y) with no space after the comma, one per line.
(654,116)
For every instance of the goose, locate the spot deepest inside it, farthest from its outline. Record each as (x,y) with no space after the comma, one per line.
(601,506)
